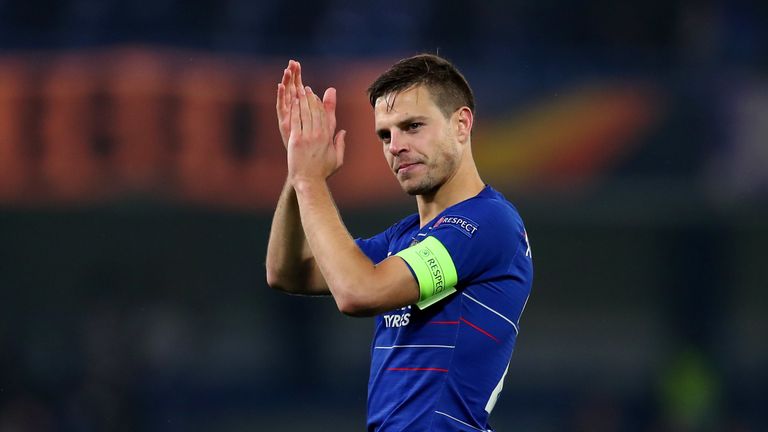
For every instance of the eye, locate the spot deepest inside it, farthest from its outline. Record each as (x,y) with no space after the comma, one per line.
(384,136)
(414,126)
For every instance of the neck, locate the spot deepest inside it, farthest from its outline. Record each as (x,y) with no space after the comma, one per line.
(464,184)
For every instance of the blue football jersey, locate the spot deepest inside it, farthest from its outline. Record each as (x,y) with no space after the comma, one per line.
(440,367)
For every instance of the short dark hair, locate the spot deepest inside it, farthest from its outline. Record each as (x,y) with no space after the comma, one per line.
(446,84)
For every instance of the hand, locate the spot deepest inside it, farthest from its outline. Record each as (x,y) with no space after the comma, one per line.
(287,91)
(313,151)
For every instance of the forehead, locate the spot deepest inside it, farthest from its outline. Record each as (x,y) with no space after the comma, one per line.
(393,107)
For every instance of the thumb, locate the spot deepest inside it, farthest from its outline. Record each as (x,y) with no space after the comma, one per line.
(339,144)
(329,104)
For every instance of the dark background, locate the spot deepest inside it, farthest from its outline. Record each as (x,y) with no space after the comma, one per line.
(631,136)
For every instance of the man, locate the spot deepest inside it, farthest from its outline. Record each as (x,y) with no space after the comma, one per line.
(448,284)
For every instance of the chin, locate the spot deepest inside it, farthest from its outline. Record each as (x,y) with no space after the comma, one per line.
(418,189)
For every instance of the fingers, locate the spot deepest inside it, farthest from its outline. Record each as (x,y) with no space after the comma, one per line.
(296,70)
(289,90)
(281,102)
(329,105)
(295,119)
(287,75)
(306,112)
(303,110)
(291,86)
(292,81)
(286,83)
(316,109)
(329,99)
(283,105)
(339,144)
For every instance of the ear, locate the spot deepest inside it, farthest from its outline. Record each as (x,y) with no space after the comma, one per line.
(464,120)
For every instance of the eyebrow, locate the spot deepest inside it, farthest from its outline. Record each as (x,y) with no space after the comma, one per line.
(404,122)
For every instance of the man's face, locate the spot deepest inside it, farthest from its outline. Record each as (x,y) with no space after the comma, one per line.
(419,142)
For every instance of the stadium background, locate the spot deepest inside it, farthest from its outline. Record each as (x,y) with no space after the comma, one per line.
(139,163)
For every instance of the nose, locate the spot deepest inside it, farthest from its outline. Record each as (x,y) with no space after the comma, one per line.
(397,144)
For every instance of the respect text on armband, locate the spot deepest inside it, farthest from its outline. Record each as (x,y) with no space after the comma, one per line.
(437,275)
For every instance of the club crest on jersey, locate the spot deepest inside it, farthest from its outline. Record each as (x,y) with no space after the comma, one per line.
(465,225)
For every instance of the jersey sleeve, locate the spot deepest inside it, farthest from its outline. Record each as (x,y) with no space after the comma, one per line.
(374,247)
(377,247)
(464,246)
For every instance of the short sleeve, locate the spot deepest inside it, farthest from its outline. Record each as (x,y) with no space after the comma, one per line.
(375,247)
(482,241)
(468,245)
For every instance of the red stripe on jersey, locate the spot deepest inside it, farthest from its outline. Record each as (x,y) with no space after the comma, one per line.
(480,330)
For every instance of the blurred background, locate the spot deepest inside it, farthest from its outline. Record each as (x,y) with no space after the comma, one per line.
(140,163)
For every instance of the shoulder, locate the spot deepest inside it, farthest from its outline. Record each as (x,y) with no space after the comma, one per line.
(403,225)
(487,214)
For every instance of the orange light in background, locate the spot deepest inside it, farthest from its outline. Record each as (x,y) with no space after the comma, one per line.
(203,129)
(264,170)
(205,167)
(138,85)
(69,166)
(365,179)
(566,141)
(14,101)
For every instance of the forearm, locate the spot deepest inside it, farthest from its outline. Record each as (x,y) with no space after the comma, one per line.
(290,264)
(350,275)
(341,262)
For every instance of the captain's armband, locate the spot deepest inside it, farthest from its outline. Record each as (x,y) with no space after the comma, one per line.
(434,270)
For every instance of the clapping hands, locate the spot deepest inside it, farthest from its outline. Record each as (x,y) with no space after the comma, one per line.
(308,128)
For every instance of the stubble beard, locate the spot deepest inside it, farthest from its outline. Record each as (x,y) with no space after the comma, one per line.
(427,185)
(435,176)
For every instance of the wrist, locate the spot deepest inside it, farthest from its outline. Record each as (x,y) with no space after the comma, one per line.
(306,184)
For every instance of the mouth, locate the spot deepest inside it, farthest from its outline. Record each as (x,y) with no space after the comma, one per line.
(405,167)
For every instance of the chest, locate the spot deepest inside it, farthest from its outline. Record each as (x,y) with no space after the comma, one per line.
(408,237)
